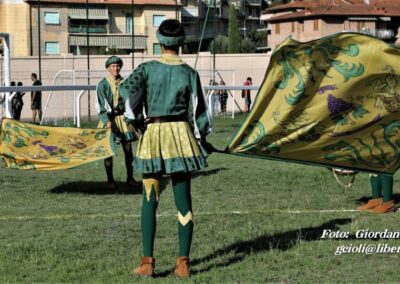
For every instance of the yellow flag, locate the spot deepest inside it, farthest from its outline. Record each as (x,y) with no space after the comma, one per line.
(332,102)
(29,146)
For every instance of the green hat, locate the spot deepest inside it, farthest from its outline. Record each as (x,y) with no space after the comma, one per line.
(170,40)
(114,59)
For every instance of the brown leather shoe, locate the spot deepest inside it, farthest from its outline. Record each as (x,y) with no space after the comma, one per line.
(385,207)
(146,267)
(372,203)
(182,266)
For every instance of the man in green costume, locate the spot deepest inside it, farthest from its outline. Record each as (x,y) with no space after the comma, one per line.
(382,195)
(382,185)
(177,121)
(110,117)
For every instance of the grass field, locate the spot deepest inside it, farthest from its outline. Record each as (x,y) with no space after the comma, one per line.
(256,221)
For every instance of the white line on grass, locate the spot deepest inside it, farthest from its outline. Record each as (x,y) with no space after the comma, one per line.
(93,216)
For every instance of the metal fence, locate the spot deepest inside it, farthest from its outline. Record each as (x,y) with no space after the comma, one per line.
(76,93)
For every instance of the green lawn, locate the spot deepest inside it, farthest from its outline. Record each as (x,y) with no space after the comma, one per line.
(256,221)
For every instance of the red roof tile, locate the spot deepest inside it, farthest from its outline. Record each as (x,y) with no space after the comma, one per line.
(313,8)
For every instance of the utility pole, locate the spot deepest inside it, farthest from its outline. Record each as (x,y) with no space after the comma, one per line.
(215,36)
(39,45)
(87,56)
(133,35)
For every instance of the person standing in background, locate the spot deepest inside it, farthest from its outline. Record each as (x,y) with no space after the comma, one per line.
(36,99)
(223,98)
(246,94)
(17,104)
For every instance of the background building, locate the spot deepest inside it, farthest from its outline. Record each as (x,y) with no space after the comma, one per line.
(14,16)
(194,17)
(306,20)
(63,30)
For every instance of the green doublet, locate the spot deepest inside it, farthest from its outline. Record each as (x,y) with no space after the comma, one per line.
(107,101)
(170,88)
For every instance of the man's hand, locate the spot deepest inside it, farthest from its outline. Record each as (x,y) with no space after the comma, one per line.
(108,124)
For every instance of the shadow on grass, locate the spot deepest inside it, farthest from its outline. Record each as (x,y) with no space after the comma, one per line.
(282,241)
(95,188)
(208,172)
(99,188)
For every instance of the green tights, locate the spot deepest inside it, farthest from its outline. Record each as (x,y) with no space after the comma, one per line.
(382,185)
(183,202)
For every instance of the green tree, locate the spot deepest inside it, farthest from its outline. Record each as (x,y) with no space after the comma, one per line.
(221,44)
(259,38)
(248,46)
(233,31)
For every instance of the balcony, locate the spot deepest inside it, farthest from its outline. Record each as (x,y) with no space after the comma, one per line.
(190,12)
(122,41)
(254,2)
(213,3)
(82,29)
(378,33)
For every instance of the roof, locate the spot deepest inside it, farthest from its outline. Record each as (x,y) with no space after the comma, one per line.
(318,8)
(113,2)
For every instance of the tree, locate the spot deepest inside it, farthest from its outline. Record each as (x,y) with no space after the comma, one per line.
(259,39)
(221,44)
(248,46)
(233,32)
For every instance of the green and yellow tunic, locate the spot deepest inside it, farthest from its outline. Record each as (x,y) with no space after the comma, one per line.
(107,103)
(170,88)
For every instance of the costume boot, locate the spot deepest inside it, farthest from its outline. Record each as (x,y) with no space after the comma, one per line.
(146,267)
(372,203)
(182,266)
(384,207)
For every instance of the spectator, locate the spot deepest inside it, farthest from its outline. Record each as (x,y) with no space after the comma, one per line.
(214,98)
(36,99)
(223,97)
(246,94)
(17,104)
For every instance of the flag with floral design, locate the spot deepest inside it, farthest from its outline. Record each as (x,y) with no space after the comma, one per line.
(29,146)
(332,102)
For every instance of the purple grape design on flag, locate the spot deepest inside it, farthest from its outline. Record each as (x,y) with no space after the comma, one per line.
(326,88)
(48,148)
(337,106)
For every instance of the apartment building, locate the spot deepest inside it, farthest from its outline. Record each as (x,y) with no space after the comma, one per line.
(194,16)
(14,16)
(306,20)
(59,26)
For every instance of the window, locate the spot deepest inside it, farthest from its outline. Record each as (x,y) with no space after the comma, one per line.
(316,25)
(52,48)
(51,18)
(128,23)
(277,28)
(157,20)
(156,48)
